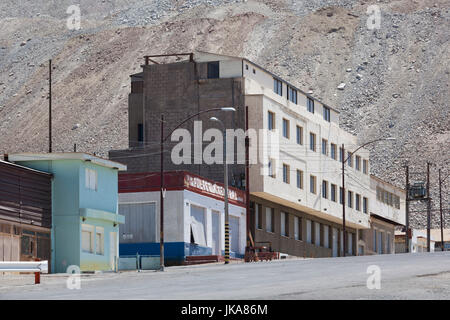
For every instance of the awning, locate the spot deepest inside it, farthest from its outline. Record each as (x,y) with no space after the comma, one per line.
(102,215)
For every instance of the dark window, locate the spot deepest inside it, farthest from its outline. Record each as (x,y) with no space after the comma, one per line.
(213,70)
(299,135)
(299,179)
(365,208)
(310,105)
(312,141)
(292,95)
(278,86)
(324,189)
(341,155)
(286,128)
(324,147)
(140,132)
(358,202)
(271,120)
(350,199)
(333,151)
(326,113)
(341,195)
(333,192)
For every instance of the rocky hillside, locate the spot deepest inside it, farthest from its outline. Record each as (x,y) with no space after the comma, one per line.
(391,81)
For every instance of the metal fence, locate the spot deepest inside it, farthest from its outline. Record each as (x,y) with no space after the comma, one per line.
(139,262)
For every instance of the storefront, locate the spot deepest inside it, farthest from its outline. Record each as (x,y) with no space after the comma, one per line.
(193,216)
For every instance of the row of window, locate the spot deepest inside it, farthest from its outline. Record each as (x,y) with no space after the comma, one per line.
(388,198)
(292,96)
(329,190)
(327,149)
(315,232)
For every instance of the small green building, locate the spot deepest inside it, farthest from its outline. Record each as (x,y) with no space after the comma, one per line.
(85,219)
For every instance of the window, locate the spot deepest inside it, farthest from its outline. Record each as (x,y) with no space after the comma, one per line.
(286,128)
(91,179)
(374,240)
(270,213)
(326,114)
(341,195)
(365,166)
(349,159)
(246,67)
(341,154)
(297,228)
(326,238)
(310,105)
(271,120)
(357,202)
(312,184)
(397,202)
(333,151)
(365,205)
(87,238)
(333,192)
(324,147)
(286,171)
(325,189)
(292,95)
(258,216)
(271,165)
(213,70)
(278,86)
(308,231)
(99,240)
(140,132)
(312,141)
(350,199)
(299,135)
(300,179)
(358,163)
(317,229)
(284,224)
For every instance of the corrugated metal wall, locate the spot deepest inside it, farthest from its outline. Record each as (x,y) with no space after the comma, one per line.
(25,196)
(140,223)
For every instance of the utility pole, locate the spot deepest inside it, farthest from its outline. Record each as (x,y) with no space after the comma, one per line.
(428,209)
(161,200)
(440,210)
(50,106)
(343,201)
(407,211)
(247,178)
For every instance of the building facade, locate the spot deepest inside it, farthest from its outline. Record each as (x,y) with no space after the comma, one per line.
(85,221)
(193,216)
(296,195)
(387,213)
(25,213)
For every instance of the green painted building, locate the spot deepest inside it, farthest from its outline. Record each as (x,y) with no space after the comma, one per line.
(85,219)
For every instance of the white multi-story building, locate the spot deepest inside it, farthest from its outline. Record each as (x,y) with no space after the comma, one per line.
(296,193)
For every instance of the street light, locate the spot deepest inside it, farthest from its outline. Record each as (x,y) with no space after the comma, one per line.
(225,182)
(161,194)
(344,160)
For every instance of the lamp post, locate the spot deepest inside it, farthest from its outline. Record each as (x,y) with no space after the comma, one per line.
(344,160)
(161,191)
(225,182)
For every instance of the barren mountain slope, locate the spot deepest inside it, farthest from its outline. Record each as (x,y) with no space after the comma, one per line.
(396,77)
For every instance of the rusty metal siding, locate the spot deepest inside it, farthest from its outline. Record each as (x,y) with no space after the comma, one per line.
(25,195)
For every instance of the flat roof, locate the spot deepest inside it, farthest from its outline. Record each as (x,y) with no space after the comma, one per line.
(67,156)
(273,75)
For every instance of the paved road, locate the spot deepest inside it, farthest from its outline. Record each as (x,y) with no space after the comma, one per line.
(403,276)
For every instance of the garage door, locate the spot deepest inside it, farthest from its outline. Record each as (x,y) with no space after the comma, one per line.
(140,223)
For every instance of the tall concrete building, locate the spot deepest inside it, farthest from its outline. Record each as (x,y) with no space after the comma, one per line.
(296,195)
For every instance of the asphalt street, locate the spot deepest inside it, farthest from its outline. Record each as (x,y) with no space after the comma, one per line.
(402,276)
